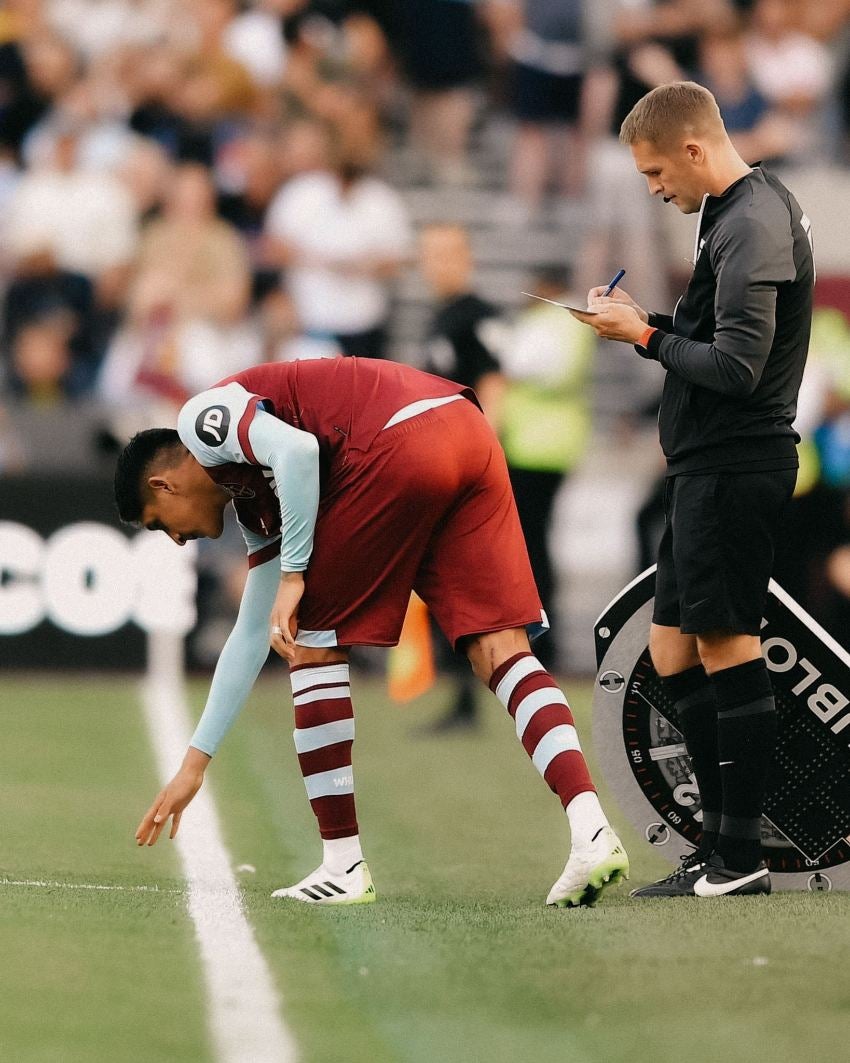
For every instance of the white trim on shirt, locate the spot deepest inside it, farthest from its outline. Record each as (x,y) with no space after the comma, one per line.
(413,409)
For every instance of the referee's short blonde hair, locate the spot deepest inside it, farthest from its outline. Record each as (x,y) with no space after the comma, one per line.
(680,108)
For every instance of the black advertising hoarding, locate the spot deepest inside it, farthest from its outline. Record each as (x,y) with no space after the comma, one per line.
(78,591)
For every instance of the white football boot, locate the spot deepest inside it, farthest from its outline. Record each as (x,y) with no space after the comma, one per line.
(321,886)
(590,870)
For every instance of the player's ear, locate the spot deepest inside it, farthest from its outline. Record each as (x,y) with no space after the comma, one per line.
(161,483)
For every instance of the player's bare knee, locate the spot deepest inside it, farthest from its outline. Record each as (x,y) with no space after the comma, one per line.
(490,649)
(314,655)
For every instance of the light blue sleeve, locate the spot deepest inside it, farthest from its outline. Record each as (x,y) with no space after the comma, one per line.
(293,457)
(241,659)
(209,426)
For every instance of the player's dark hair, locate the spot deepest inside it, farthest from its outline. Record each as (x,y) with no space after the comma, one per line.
(144,451)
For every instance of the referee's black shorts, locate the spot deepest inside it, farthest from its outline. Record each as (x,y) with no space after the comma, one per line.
(716,555)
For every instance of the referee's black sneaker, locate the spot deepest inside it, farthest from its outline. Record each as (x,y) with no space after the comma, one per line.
(717,880)
(678,884)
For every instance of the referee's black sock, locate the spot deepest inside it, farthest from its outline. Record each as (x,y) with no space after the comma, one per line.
(693,697)
(746,732)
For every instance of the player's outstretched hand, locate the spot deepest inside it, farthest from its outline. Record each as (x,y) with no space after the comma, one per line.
(596,297)
(173,799)
(283,623)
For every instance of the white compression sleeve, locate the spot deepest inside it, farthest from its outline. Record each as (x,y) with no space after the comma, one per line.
(240,660)
(293,457)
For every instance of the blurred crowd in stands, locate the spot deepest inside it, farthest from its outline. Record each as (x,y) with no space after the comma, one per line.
(188,187)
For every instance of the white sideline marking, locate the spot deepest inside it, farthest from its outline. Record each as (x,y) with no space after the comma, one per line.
(243,1005)
(39,883)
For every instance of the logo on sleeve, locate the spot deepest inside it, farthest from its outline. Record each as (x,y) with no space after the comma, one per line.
(212,424)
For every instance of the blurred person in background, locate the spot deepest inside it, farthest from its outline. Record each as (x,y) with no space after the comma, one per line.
(303,146)
(793,71)
(464,344)
(42,367)
(545,423)
(340,237)
(284,337)
(49,309)
(187,301)
(22,100)
(190,261)
(152,86)
(86,219)
(188,92)
(758,130)
(653,42)
(9,177)
(549,62)
(97,29)
(466,334)
(253,178)
(335,44)
(145,172)
(253,36)
(818,518)
(441,57)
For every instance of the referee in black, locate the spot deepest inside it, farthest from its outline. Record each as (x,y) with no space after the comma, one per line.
(734,351)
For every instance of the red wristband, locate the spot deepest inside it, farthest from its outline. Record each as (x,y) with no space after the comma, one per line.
(645,336)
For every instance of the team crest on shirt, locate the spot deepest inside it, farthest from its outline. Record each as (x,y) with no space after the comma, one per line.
(211,425)
(239,491)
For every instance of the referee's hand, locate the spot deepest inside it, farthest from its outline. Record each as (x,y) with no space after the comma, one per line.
(614,320)
(596,297)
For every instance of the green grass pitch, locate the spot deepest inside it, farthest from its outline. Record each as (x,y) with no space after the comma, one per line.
(459,961)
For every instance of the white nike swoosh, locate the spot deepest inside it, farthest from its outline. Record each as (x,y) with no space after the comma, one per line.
(704,888)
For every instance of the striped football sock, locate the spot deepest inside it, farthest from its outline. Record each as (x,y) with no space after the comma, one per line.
(324,733)
(545,726)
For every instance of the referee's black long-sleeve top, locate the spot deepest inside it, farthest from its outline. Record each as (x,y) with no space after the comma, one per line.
(736,345)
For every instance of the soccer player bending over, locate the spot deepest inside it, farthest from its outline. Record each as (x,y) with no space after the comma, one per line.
(354,482)
(734,351)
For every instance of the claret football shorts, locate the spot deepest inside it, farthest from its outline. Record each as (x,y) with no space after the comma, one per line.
(428,507)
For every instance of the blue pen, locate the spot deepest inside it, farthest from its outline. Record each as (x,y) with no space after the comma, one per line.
(618,276)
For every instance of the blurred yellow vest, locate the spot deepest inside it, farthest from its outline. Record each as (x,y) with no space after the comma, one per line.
(546,413)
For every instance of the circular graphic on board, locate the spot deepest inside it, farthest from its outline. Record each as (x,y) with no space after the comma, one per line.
(644,759)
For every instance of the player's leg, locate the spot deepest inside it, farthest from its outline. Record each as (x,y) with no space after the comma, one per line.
(374,525)
(324,734)
(547,731)
(544,723)
(477,580)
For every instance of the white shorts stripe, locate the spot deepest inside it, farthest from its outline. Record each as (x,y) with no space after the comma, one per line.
(322,694)
(316,639)
(558,740)
(533,702)
(524,667)
(305,678)
(330,783)
(325,734)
